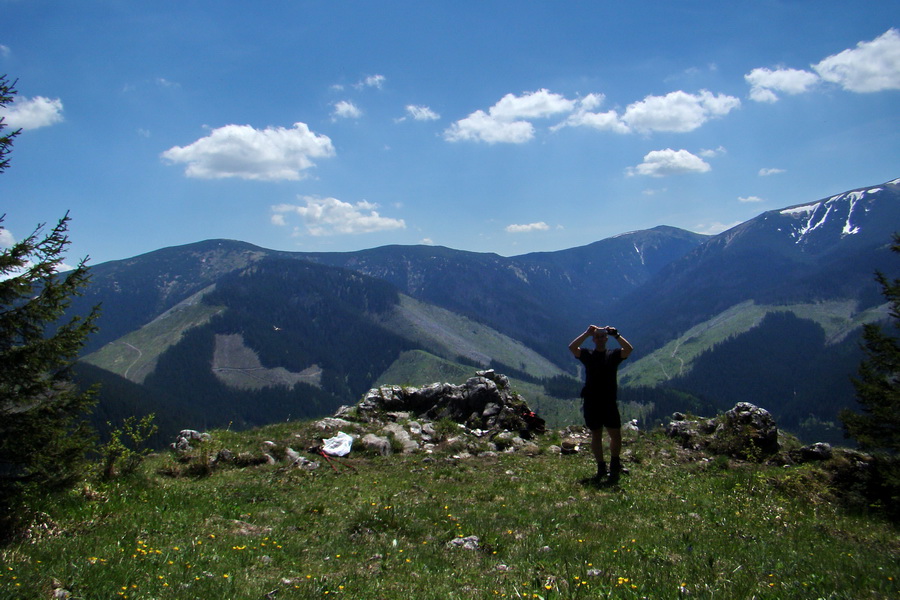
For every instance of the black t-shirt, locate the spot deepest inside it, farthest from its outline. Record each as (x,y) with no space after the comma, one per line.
(600,367)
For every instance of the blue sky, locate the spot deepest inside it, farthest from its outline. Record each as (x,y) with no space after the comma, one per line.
(507,127)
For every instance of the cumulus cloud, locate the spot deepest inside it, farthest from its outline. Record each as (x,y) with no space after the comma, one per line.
(346,110)
(749,199)
(528,228)
(585,117)
(506,121)
(481,127)
(271,154)
(32,113)
(870,67)
(677,112)
(767,172)
(765,82)
(330,216)
(510,119)
(533,105)
(421,113)
(7,239)
(660,163)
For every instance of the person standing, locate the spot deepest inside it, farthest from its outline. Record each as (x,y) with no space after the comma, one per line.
(599,393)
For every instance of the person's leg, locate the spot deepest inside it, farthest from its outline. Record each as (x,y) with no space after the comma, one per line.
(615,448)
(615,443)
(597,448)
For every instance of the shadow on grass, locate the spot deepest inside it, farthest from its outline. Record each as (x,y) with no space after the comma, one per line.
(610,481)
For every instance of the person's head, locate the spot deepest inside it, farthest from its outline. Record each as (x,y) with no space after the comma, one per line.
(600,337)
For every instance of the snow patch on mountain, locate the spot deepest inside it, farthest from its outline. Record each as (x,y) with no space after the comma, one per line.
(847,207)
(640,253)
(800,210)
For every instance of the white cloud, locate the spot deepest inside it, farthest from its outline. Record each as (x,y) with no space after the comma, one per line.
(5,51)
(271,154)
(714,228)
(765,82)
(509,120)
(767,172)
(506,120)
(481,127)
(427,241)
(330,216)
(7,239)
(375,81)
(32,113)
(607,121)
(583,117)
(533,105)
(346,110)
(540,226)
(713,153)
(421,113)
(870,67)
(660,163)
(677,112)
(750,199)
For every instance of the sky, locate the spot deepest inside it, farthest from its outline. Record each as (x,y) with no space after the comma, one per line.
(489,126)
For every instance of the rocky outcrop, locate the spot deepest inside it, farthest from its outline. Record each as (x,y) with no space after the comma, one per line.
(745,431)
(481,416)
(484,402)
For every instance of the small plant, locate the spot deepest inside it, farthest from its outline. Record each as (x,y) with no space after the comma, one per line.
(446,427)
(126,448)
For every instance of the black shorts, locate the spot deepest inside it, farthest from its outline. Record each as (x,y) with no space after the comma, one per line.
(601,414)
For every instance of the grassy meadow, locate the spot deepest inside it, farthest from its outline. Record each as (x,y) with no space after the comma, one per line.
(678,526)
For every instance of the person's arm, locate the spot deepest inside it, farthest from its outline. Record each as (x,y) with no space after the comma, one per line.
(627,348)
(575,345)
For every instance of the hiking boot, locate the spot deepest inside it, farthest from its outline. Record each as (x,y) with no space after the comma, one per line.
(616,468)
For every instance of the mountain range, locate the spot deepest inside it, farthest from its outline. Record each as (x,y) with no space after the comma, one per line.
(769,311)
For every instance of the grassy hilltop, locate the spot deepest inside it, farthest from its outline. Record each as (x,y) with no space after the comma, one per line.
(680,525)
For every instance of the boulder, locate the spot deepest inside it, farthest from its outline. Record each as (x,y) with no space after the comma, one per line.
(814,452)
(402,436)
(377,444)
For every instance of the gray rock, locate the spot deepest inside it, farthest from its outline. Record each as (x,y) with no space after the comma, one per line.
(813,452)
(376,444)
(466,543)
(333,423)
(402,436)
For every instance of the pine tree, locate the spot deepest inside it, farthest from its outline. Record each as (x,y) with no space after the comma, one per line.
(7,92)
(43,434)
(878,384)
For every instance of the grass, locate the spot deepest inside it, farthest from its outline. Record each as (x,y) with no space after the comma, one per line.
(679,525)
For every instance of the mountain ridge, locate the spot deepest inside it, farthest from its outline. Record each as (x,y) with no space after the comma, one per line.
(655,284)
